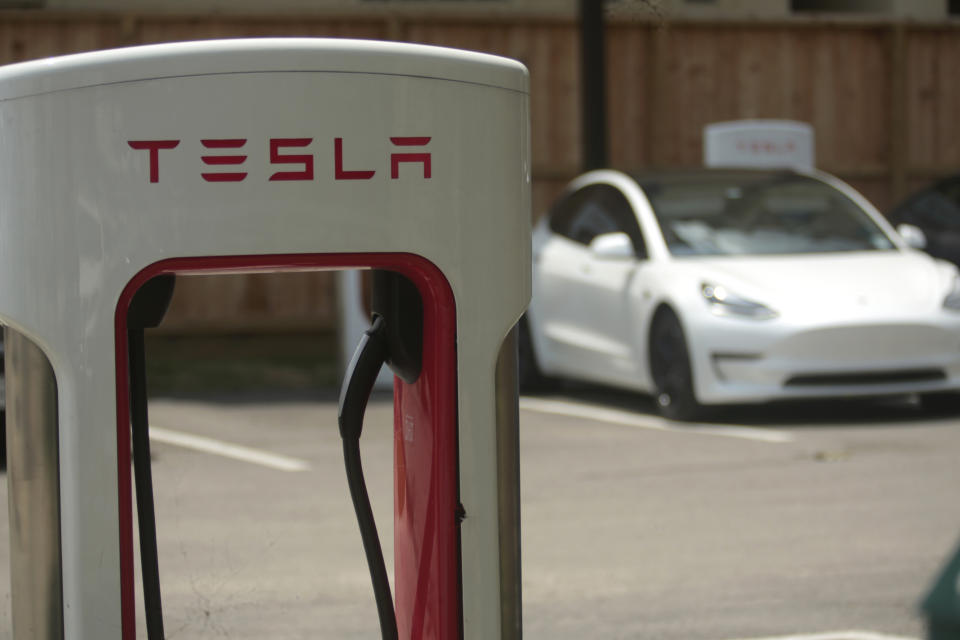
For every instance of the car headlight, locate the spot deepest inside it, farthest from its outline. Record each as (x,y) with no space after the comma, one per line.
(725,303)
(952,301)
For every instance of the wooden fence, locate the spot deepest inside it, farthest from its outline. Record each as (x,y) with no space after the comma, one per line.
(883,99)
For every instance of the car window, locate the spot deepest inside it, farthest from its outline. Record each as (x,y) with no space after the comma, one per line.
(564,210)
(591,220)
(762,215)
(594,210)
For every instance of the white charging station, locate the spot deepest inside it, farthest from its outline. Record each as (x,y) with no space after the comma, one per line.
(257,156)
(759,144)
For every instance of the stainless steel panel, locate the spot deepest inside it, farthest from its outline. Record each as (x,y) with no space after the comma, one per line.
(33,482)
(508,488)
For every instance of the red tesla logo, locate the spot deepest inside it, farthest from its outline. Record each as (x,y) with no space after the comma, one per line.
(760,146)
(225,158)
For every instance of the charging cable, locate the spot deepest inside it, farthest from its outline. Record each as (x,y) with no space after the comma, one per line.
(371,354)
(147,308)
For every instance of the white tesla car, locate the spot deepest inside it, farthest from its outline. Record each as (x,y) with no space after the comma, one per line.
(712,287)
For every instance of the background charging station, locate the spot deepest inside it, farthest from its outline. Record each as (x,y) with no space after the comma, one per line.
(759,144)
(261,156)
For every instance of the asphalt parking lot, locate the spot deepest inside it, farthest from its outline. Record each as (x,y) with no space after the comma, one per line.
(814,522)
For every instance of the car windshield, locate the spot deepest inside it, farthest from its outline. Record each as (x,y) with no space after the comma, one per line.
(759,214)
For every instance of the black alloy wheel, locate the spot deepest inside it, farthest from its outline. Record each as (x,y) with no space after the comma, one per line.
(670,367)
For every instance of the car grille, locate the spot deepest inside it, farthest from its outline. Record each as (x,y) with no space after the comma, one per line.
(866,377)
(872,344)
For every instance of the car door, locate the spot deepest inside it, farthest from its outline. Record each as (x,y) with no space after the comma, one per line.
(584,296)
(555,268)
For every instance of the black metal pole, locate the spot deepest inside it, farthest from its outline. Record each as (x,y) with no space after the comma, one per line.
(593,76)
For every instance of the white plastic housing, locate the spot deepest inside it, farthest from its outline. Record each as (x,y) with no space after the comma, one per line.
(109,164)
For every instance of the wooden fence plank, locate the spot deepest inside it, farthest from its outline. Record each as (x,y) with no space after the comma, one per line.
(948,123)
(923,97)
(627,80)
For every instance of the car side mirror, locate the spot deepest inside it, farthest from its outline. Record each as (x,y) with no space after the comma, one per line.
(612,246)
(913,235)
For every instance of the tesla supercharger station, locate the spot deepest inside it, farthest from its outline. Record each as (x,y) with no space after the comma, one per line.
(759,144)
(260,156)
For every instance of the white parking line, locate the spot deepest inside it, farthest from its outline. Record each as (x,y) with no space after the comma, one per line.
(626,418)
(227,450)
(835,635)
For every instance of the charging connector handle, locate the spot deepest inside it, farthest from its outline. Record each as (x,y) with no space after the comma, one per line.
(361,375)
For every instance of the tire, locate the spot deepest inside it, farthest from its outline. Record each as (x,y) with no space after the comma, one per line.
(670,369)
(529,375)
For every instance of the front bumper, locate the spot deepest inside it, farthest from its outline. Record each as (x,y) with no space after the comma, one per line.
(737,360)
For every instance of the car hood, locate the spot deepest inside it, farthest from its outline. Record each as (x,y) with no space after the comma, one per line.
(875,281)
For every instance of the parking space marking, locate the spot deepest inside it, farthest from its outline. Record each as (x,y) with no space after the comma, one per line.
(228,450)
(641,421)
(835,635)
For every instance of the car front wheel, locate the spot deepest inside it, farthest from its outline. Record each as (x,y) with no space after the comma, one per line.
(670,368)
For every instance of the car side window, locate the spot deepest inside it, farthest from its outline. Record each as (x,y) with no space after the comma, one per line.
(619,209)
(563,214)
(594,210)
(591,221)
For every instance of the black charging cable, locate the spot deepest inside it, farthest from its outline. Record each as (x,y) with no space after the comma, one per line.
(371,354)
(147,309)
(143,480)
